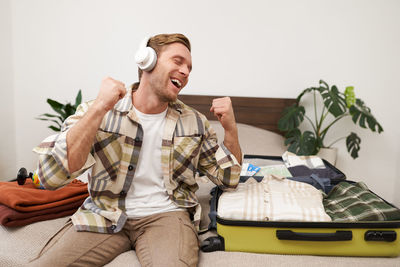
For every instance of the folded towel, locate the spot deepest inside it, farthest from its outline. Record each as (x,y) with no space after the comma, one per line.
(27,198)
(12,218)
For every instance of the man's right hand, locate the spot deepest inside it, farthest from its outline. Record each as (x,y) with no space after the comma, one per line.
(111,91)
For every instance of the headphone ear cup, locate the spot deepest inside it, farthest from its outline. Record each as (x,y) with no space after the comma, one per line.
(146,58)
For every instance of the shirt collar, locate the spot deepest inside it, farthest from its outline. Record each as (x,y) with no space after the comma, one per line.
(125,104)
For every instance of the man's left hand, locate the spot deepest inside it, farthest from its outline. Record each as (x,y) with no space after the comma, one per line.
(222,109)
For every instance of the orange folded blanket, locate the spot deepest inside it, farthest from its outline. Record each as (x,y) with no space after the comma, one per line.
(12,218)
(27,198)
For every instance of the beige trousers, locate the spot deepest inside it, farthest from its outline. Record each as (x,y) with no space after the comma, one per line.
(166,239)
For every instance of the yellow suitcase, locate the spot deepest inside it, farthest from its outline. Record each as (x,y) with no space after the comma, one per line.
(366,238)
(311,238)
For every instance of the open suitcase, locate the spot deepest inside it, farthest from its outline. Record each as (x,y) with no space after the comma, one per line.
(363,238)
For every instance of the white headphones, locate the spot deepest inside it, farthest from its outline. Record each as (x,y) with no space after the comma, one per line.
(146,57)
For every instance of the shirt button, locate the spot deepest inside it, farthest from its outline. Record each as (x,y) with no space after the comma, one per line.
(122,193)
(137,139)
(130,167)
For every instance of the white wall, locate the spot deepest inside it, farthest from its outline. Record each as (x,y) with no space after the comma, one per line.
(251,48)
(7,116)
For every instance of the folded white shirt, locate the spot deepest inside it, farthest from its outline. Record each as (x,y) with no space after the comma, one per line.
(275,198)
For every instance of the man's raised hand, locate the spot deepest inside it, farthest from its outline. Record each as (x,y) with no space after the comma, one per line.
(111,91)
(222,109)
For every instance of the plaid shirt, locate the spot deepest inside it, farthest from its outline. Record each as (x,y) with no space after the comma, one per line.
(347,203)
(189,144)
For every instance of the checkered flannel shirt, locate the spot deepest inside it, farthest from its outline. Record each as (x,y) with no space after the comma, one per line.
(189,144)
(355,202)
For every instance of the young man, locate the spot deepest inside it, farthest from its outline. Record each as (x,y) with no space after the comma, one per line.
(144,147)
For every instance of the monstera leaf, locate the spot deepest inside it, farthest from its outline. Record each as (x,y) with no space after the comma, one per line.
(350,96)
(291,118)
(334,101)
(309,90)
(301,144)
(337,103)
(362,114)
(353,144)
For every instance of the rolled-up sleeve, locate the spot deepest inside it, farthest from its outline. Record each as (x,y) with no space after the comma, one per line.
(217,162)
(52,169)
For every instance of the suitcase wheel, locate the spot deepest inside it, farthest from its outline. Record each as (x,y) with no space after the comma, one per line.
(213,243)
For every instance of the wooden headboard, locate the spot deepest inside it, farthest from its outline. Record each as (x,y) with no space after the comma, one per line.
(261,112)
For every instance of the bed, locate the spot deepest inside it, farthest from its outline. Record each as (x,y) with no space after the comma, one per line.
(258,134)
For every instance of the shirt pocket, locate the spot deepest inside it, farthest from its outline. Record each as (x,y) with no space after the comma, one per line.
(186,156)
(107,151)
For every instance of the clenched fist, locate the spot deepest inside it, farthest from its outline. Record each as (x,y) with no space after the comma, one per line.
(111,91)
(222,109)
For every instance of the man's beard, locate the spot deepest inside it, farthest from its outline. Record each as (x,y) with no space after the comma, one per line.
(160,90)
(164,96)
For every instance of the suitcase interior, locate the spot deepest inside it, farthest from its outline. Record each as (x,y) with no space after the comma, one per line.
(366,238)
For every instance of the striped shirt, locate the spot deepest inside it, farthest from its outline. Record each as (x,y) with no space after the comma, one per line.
(275,198)
(189,145)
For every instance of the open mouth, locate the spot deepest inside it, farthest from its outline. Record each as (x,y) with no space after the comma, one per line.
(177,83)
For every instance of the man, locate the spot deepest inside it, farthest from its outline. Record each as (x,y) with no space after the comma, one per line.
(144,147)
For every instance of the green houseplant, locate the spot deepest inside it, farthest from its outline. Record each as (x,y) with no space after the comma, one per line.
(63,111)
(336,103)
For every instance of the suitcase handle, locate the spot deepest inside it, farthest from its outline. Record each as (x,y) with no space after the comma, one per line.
(337,236)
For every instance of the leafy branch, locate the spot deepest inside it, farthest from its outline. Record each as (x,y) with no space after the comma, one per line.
(63,111)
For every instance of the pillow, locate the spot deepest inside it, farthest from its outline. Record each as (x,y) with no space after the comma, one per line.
(252,140)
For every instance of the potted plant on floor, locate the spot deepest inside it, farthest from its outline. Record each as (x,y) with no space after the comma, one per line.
(336,103)
(63,111)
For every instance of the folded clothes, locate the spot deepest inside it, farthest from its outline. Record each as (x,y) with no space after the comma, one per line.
(305,171)
(323,184)
(355,202)
(12,218)
(292,160)
(279,170)
(27,198)
(275,198)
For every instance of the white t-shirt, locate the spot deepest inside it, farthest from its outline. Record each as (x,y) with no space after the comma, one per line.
(147,194)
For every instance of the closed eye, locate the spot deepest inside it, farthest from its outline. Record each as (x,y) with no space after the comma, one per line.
(178,60)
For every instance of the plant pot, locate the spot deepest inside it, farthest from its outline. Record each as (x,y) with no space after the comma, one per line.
(328,154)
